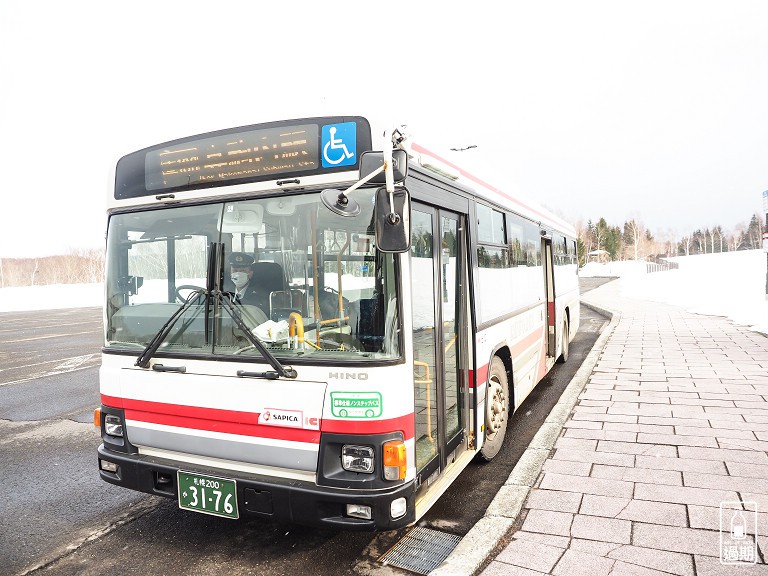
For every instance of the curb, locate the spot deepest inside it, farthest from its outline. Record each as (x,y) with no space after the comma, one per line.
(480,542)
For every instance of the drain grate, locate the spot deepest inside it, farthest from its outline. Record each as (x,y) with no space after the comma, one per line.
(421,550)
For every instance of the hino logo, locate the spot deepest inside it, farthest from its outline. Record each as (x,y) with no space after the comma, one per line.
(348,375)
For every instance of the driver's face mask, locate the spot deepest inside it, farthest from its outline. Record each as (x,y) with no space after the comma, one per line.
(240,279)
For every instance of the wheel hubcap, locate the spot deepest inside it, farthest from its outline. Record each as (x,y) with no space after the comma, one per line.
(495,409)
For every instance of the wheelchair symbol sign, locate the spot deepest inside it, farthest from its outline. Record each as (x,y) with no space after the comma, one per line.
(339,142)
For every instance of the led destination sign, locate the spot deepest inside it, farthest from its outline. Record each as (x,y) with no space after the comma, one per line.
(233,157)
(274,150)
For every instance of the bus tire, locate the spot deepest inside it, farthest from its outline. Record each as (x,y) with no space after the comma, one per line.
(565,344)
(496,410)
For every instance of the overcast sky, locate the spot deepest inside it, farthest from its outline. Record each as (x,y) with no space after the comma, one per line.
(654,110)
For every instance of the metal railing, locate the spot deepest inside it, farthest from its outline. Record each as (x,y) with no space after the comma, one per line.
(658,264)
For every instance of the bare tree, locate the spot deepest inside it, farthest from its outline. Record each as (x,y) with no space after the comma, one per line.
(91,266)
(634,232)
(714,231)
(718,231)
(584,239)
(667,238)
(737,237)
(600,231)
(686,242)
(74,268)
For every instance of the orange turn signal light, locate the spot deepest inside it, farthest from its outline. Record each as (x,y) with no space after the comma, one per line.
(97,417)
(395,463)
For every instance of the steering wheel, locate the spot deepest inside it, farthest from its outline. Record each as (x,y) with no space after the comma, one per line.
(190,287)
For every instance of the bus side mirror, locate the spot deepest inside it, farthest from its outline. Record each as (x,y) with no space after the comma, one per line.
(392,222)
(372,161)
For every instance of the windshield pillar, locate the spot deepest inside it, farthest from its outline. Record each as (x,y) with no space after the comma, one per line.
(170,250)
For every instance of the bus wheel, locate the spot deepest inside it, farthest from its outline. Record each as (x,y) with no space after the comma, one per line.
(565,343)
(496,410)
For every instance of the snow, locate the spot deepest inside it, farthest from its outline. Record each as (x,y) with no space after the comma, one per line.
(730,284)
(51,297)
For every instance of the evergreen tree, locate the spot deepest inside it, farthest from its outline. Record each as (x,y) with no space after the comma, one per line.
(600,232)
(633,234)
(581,250)
(699,242)
(754,237)
(613,242)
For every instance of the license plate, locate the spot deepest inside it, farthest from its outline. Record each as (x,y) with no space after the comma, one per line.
(207,494)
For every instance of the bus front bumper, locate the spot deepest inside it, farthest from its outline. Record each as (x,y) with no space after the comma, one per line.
(283,500)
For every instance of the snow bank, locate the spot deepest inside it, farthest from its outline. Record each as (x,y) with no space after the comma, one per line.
(730,284)
(51,297)
(612,269)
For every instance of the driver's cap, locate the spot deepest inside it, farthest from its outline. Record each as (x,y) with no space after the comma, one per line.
(240,259)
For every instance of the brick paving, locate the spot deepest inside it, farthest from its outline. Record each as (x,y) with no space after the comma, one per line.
(672,425)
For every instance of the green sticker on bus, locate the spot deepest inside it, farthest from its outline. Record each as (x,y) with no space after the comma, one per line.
(356,404)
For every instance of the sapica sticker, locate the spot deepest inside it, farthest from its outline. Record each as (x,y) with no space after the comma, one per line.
(279,417)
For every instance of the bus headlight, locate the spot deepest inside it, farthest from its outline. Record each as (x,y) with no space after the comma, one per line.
(357,458)
(113,425)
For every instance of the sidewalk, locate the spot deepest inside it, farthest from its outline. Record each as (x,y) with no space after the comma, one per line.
(671,425)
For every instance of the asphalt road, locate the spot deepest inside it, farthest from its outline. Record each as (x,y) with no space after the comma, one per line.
(58,517)
(49,496)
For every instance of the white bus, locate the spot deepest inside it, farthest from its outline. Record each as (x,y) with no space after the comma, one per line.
(302,328)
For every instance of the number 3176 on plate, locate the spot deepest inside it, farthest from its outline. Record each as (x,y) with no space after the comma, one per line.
(207,494)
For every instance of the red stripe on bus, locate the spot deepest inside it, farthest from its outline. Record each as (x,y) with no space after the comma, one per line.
(208,419)
(181,410)
(551,313)
(404,424)
(481,376)
(246,423)
(238,428)
(526,343)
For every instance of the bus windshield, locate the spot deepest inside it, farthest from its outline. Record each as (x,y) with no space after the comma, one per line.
(305,282)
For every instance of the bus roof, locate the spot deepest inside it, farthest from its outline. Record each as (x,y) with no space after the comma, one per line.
(137,181)
(523,206)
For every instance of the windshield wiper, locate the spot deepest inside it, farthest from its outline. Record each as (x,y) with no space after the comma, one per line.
(219,297)
(143,360)
(284,371)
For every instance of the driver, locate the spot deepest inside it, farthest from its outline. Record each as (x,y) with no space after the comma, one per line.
(241,274)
